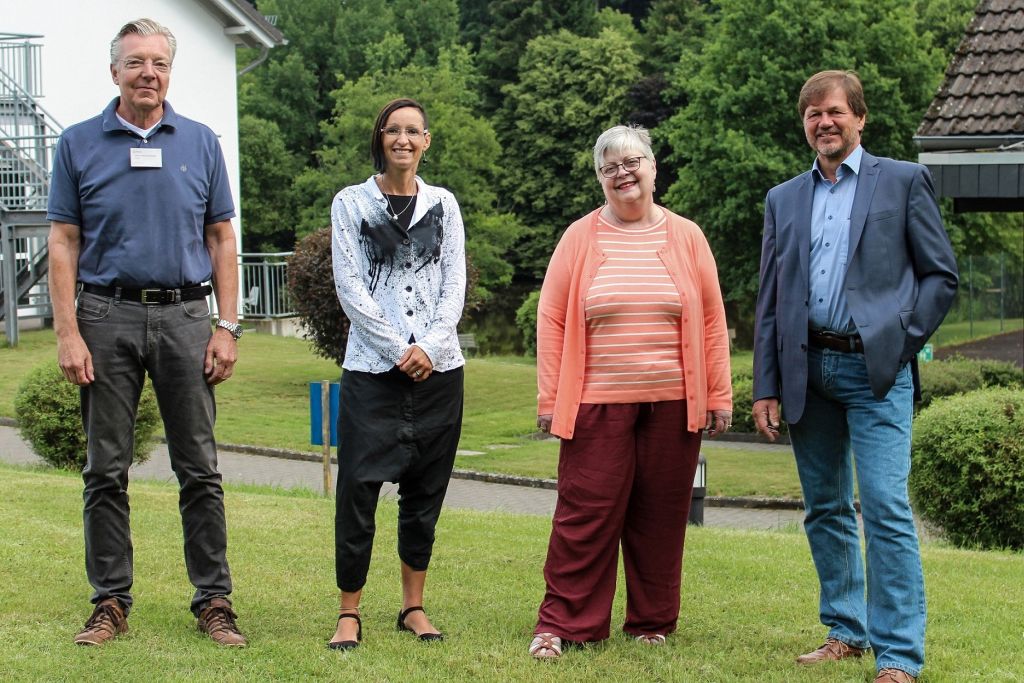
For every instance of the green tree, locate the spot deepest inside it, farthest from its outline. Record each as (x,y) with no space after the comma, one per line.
(740,133)
(267,170)
(512,24)
(463,155)
(570,89)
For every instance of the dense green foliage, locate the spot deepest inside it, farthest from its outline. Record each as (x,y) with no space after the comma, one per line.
(49,413)
(960,375)
(968,474)
(518,91)
(526,322)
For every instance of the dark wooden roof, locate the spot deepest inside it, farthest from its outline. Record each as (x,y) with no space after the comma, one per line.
(983,92)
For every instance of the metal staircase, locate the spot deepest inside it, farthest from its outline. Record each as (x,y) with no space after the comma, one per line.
(28,137)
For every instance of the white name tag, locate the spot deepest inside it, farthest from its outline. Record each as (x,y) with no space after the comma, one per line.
(147,157)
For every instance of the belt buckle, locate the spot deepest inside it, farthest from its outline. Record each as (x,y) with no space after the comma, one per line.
(157,294)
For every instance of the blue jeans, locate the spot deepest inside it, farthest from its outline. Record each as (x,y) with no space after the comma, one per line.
(128,340)
(843,428)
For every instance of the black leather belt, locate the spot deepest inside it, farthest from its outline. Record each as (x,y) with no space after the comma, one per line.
(846,343)
(151,296)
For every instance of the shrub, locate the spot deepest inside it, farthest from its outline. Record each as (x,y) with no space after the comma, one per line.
(968,469)
(311,286)
(526,321)
(49,413)
(957,375)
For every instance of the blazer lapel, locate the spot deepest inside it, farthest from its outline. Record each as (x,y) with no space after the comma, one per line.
(862,200)
(802,223)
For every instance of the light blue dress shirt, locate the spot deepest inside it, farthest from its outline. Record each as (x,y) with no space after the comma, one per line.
(830,241)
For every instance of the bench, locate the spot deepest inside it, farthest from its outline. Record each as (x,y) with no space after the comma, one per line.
(467,342)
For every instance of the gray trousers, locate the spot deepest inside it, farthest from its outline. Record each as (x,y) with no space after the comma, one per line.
(128,340)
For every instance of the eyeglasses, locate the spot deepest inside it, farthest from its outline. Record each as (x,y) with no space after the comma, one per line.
(395,131)
(628,165)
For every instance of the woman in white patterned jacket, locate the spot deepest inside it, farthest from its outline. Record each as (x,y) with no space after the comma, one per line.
(400,272)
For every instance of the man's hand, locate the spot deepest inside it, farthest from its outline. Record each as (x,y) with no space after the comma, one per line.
(766,417)
(221,356)
(75,360)
(416,363)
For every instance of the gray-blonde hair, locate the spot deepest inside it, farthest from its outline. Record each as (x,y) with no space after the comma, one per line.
(619,139)
(142,27)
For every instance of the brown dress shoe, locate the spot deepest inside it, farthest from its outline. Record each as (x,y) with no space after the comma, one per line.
(218,621)
(832,651)
(894,676)
(106,623)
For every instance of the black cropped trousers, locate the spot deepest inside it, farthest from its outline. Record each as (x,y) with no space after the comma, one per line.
(393,429)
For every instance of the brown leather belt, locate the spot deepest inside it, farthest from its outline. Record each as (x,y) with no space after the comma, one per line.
(153,296)
(845,343)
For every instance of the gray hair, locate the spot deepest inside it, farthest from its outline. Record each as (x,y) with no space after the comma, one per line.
(142,27)
(619,139)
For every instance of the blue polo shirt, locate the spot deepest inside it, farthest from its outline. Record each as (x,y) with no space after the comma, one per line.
(140,226)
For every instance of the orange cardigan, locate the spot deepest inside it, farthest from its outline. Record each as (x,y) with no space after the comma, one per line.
(561,322)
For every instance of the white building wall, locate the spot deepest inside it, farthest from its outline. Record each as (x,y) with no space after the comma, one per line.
(76,62)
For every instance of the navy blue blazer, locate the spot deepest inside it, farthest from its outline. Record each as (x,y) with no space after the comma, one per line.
(900,278)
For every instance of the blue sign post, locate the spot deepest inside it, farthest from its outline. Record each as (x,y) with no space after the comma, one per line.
(316,413)
(324,398)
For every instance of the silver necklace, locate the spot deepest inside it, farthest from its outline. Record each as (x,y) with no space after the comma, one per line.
(396,214)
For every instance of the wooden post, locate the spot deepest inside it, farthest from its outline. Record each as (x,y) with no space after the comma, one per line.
(325,431)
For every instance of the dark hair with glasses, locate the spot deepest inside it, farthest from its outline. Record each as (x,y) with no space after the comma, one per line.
(377,141)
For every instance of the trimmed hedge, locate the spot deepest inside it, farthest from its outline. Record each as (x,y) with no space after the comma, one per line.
(968,468)
(49,413)
(958,375)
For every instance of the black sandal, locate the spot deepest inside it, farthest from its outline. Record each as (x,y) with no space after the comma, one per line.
(425,637)
(348,644)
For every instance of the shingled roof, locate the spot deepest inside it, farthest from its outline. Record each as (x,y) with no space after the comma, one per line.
(983,92)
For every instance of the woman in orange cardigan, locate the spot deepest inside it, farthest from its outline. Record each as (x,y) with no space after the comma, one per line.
(632,366)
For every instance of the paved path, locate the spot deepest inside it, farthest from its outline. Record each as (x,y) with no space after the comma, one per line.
(243,468)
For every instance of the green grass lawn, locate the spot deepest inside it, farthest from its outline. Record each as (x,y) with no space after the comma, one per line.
(749,601)
(950,333)
(266,403)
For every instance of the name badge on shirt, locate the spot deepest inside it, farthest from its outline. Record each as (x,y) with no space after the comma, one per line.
(147,157)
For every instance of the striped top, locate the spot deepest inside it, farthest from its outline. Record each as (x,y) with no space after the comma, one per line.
(633,314)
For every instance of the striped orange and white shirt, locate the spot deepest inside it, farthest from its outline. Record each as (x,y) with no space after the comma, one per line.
(633,314)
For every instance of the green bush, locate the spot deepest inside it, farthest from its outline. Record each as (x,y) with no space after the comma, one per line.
(526,321)
(957,375)
(48,408)
(968,467)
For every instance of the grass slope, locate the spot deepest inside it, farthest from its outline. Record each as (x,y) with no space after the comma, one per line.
(749,601)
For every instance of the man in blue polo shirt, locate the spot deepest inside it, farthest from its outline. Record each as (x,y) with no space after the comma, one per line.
(140,213)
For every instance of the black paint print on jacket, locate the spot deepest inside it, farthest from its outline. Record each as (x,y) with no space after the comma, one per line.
(385,243)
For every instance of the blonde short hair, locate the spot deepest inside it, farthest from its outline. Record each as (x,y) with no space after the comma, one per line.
(142,27)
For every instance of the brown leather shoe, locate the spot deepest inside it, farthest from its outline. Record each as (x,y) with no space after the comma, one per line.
(832,651)
(106,623)
(894,676)
(218,621)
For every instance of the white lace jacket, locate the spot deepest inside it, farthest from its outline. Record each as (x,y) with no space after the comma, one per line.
(396,286)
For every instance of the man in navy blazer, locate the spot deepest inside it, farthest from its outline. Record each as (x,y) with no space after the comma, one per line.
(856,273)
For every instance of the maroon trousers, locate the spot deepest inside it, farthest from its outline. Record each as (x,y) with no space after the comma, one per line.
(626,476)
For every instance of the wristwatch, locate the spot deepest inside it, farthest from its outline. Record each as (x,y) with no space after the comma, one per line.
(234,328)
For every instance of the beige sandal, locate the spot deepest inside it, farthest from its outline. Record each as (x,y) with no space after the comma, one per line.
(546,646)
(651,639)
